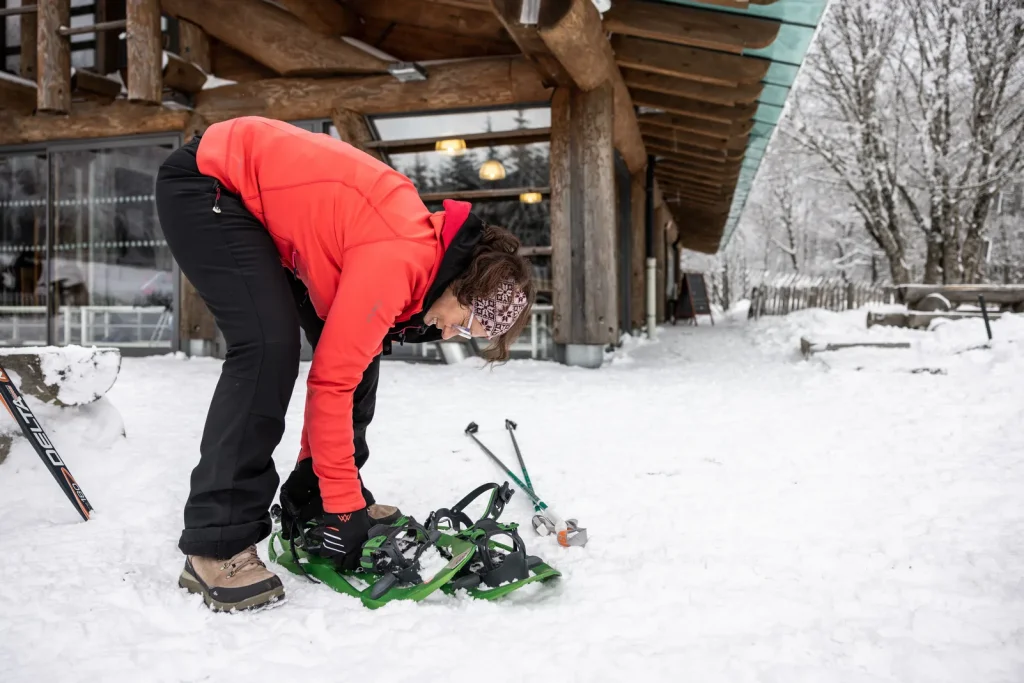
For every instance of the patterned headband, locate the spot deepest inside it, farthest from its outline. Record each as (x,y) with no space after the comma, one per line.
(498,313)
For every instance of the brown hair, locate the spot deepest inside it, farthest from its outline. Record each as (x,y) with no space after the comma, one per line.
(496,259)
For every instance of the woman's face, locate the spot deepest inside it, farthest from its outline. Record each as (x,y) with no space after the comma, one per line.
(447,312)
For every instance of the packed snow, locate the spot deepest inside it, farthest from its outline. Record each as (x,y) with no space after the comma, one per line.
(753,516)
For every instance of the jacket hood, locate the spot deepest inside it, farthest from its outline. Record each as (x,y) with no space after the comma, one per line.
(460,232)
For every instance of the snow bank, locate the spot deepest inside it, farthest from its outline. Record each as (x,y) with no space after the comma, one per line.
(948,346)
(73,374)
(752,519)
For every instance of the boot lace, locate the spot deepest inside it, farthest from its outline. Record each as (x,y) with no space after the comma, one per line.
(247,559)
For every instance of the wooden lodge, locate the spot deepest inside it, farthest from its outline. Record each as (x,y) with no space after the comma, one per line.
(658,115)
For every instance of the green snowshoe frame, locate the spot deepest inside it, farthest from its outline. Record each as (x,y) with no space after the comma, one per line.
(384,566)
(495,569)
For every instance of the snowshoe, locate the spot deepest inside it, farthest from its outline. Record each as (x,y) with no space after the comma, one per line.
(391,565)
(496,569)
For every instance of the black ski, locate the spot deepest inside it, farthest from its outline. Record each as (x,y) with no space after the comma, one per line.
(19,410)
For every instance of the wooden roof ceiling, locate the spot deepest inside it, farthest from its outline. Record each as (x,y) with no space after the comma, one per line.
(686,88)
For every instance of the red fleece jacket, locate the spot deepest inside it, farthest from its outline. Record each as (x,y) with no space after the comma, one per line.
(358,236)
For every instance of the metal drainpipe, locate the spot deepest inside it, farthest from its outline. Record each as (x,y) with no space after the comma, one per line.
(652,262)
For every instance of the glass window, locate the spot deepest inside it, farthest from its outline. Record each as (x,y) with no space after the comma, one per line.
(23,250)
(441,125)
(112,273)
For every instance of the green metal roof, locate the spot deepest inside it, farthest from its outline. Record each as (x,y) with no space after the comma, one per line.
(800,21)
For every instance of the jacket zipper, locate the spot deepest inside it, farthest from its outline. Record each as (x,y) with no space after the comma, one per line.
(216,199)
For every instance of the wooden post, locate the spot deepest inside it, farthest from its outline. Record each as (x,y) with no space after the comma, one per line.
(194,45)
(353,129)
(583,223)
(29,38)
(660,221)
(145,51)
(53,57)
(638,288)
(195,321)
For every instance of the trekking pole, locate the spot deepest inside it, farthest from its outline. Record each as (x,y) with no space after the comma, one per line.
(568,532)
(22,414)
(511,427)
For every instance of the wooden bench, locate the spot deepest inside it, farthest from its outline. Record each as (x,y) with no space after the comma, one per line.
(65,376)
(811,346)
(948,297)
(919,320)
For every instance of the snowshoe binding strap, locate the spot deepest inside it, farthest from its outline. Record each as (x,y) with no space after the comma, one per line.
(456,517)
(491,566)
(384,553)
(493,563)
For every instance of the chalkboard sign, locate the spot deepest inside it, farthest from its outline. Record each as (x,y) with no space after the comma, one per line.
(693,298)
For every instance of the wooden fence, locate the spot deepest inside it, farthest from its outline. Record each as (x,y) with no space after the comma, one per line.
(794,294)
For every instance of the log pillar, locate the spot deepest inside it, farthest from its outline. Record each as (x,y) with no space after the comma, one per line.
(638,200)
(661,218)
(145,51)
(53,61)
(197,329)
(583,224)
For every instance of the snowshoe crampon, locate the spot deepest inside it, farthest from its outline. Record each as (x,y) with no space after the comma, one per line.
(496,568)
(391,565)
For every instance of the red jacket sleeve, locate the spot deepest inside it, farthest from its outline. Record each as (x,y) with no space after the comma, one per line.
(374,289)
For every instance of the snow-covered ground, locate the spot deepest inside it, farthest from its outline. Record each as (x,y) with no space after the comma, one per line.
(753,516)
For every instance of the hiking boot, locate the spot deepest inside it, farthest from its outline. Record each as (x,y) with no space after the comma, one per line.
(240,583)
(383,514)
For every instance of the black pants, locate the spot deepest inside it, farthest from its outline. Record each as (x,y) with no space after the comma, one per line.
(259,307)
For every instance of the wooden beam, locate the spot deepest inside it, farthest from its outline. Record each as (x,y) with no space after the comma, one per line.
(496,194)
(700,126)
(419,44)
(145,51)
(230,64)
(274,37)
(720,31)
(695,108)
(93,120)
(182,75)
(495,82)
(479,22)
(719,154)
(353,129)
(711,186)
(669,85)
(583,217)
(686,156)
(717,68)
(17,94)
(737,144)
(327,17)
(638,207)
(54,57)
(669,180)
(572,31)
(530,43)
(464,4)
(101,88)
(194,45)
(27,64)
(524,136)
